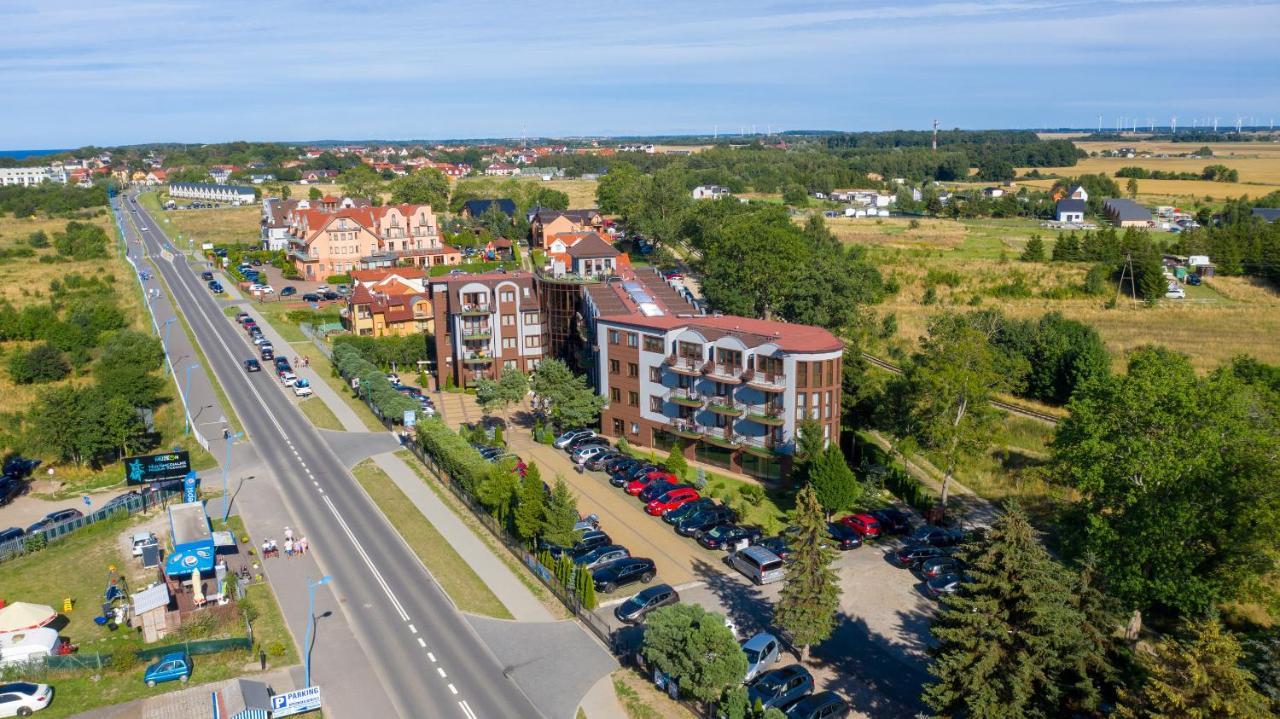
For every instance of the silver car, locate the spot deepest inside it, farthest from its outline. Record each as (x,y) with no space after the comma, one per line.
(762,650)
(601,556)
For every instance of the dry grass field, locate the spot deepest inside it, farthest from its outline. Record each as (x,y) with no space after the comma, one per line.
(223,225)
(582,193)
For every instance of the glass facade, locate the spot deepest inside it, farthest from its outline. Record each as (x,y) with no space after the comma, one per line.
(713,455)
(761,467)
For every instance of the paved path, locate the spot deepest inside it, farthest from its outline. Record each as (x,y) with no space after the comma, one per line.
(972,509)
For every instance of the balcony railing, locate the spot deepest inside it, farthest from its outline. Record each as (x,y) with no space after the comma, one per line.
(765,446)
(722,404)
(767,414)
(476,358)
(767,381)
(300,255)
(685,397)
(470,310)
(722,436)
(721,372)
(686,428)
(684,364)
(477,333)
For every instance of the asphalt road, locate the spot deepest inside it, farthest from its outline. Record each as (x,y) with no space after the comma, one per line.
(430,660)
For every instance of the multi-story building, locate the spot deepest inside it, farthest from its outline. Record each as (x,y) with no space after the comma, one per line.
(329,240)
(544,224)
(485,323)
(232,194)
(28,176)
(731,391)
(388,302)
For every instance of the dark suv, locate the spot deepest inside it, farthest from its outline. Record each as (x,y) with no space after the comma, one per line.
(704,520)
(10,489)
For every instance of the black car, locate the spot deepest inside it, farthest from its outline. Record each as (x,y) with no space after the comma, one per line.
(288,291)
(584,441)
(725,536)
(251,365)
(657,488)
(892,521)
(938,566)
(843,537)
(688,509)
(206,275)
(10,489)
(618,462)
(267,352)
(53,518)
(624,476)
(704,520)
(609,577)
(823,705)
(216,288)
(913,554)
(647,600)
(16,465)
(282,365)
(123,500)
(311,297)
(593,539)
(10,534)
(331,295)
(777,545)
(937,536)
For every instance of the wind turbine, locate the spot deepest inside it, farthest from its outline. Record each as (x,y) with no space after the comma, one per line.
(1174,124)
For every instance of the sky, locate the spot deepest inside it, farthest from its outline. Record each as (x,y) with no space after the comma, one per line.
(81,72)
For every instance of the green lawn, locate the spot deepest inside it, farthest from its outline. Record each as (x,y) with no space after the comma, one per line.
(325,370)
(453,573)
(319,413)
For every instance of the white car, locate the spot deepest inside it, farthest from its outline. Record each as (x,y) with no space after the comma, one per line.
(142,539)
(393,378)
(289,379)
(761,651)
(302,388)
(23,698)
(1175,293)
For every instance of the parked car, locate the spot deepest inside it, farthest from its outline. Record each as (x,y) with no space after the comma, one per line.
(727,536)
(657,488)
(311,297)
(331,295)
(762,650)
(206,275)
(18,467)
(20,699)
(638,484)
(174,665)
(609,577)
(216,287)
(892,521)
(282,364)
(581,442)
(53,518)
(302,388)
(912,554)
(288,291)
(937,536)
(10,534)
(634,609)
(842,537)
(686,510)
(601,555)
(252,365)
(586,452)
(618,461)
(823,705)
(591,540)
(141,540)
(598,462)
(288,378)
(942,584)
(757,564)
(630,472)
(672,499)
(778,545)
(703,520)
(867,526)
(1175,293)
(10,489)
(242,317)
(565,438)
(938,566)
(781,687)
(267,352)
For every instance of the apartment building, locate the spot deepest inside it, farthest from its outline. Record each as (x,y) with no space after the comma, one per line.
(544,224)
(336,238)
(230,194)
(392,305)
(731,391)
(28,176)
(485,323)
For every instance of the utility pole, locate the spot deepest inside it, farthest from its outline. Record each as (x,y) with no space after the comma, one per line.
(935,135)
(1127,271)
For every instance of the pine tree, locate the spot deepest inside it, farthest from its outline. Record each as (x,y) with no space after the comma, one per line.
(1034,251)
(811,595)
(530,505)
(1196,678)
(833,482)
(560,515)
(676,463)
(1010,641)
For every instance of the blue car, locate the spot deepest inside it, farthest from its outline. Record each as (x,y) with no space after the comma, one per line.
(174,665)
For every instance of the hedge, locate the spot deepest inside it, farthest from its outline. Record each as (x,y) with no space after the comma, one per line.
(338,279)
(452,452)
(373,383)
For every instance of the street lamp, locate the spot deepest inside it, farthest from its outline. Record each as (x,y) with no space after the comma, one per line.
(164,339)
(226,466)
(311,622)
(186,388)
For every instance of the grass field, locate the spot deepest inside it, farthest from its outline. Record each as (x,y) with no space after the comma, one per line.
(582,193)
(319,413)
(453,573)
(224,225)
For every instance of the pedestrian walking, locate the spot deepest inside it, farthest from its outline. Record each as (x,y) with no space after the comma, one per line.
(302,545)
(288,547)
(288,533)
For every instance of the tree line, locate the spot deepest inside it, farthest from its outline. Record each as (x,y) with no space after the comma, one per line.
(1212,173)
(50,198)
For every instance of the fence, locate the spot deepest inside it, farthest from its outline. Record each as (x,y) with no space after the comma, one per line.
(517,548)
(195,647)
(122,506)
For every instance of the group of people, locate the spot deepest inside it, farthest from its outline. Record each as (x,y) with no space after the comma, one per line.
(291,546)
(301,361)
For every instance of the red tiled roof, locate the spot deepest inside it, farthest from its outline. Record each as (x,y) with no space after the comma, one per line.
(754,332)
(377,275)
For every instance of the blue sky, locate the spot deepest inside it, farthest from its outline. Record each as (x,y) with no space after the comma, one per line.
(79,72)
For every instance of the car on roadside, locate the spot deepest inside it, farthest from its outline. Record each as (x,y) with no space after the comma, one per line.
(638,484)
(252,365)
(22,699)
(10,534)
(778,545)
(216,287)
(780,688)
(206,275)
(727,536)
(610,577)
(241,317)
(288,291)
(331,295)
(267,352)
(52,518)
(842,537)
(937,536)
(601,555)
(288,378)
(703,520)
(672,499)
(867,526)
(685,510)
(823,705)
(913,554)
(10,489)
(282,364)
(174,666)
(938,566)
(892,521)
(948,583)
(763,650)
(302,388)
(634,609)
(311,297)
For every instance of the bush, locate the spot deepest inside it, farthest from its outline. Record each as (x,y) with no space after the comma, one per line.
(908,489)
(275,649)
(42,363)
(123,660)
(373,383)
(452,452)
(338,279)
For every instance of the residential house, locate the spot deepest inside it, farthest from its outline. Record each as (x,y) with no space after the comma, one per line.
(544,223)
(1126,213)
(276,221)
(1267,214)
(585,254)
(221,173)
(993,192)
(156,176)
(232,194)
(476,208)
(335,239)
(710,192)
(394,305)
(1079,193)
(501,169)
(319,175)
(28,176)
(258,179)
(485,323)
(1071,210)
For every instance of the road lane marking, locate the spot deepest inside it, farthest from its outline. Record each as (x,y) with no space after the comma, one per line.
(467,710)
(422,642)
(368,562)
(432,657)
(440,671)
(455,691)
(413,629)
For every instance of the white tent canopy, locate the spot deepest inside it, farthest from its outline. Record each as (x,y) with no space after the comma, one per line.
(24,615)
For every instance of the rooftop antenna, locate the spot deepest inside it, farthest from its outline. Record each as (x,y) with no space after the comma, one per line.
(935,135)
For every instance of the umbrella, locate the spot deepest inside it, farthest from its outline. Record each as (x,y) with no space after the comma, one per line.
(23,615)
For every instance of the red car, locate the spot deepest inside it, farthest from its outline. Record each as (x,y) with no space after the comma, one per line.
(867,526)
(671,500)
(635,486)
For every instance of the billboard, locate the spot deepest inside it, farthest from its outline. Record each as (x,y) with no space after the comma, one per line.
(156,467)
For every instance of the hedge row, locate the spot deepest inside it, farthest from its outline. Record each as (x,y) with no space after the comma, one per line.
(452,452)
(387,402)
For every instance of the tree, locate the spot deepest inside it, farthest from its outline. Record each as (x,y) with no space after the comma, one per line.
(38,239)
(545,197)
(795,195)
(618,192)
(1011,642)
(42,363)
(427,186)
(811,442)
(833,483)
(753,263)
(314,194)
(1178,495)
(693,646)
(811,596)
(361,181)
(116,424)
(1034,251)
(676,463)
(1131,187)
(664,206)
(1198,677)
(513,385)
(560,516)
(948,385)
(488,394)
(531,505)
(572,403)
(498,489)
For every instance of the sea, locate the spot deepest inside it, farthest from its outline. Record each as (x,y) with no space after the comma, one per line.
(21,154)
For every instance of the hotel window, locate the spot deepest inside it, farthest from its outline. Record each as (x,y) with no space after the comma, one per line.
(508,320)
(635,428)
(613,337)
(655,404)
(633,340)
(508,297)
(826,406)
(802,374)
(531,318)
(618,426)
(615,366)
(533,342)
(800,398)
(653,344)
(633,399)
(526,292)
(509,364)
(655,374)
(615,394)
(818,368)
(633,369)
(508,343)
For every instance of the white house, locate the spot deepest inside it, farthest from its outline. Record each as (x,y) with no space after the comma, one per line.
(1079,194)
(28,176)
(710,192)
(233,194)
(1070,210)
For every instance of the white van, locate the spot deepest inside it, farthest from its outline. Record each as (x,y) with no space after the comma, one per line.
(758,564)
(28,645)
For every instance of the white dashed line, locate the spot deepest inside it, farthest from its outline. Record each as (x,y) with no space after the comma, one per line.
(440,671)
(432,657)
(373,569)
(455,691)
(422,642)
(413,629)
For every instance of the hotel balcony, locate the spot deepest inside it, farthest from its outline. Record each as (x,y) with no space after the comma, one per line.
(689,366)
(722,437)
(477,333)
(766,381)
(476,358)
(763,446)
(685,397)
(720,372)
(687,429)
(302,255)
(470,310)
(725,405)
(766,414)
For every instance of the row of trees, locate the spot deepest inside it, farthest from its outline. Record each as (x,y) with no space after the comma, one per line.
(1212,173)
(50,198)
(351,364)
(1239,243)
(1117,254)
(401,351)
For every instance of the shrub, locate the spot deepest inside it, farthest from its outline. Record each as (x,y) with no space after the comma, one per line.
(42,363)
(950,278)
(338,279)
(123,660)
(275,648)
(752,493)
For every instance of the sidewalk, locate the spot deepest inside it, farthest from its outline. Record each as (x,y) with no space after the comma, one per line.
(492,571)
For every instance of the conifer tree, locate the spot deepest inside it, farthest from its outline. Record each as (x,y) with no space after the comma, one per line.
(811,595)
(530,505)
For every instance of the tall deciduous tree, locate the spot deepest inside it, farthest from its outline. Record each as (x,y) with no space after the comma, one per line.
(513,385)
(618,192)
(1012,643)
(753,263)
(695,647)
(664,205)
(811,596)
(1199,677)
(570,401)
(361,181)
(427,186)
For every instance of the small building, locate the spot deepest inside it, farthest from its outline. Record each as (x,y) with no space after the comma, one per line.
(151,610)
(1126,213)
(1079,193)
(476,208)
(1200,265)
(242,699)
(1070,210)
(993,192)
(710,192)
(1267,214)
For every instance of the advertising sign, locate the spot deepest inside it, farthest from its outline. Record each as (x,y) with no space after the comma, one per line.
(295,702)
(156,467)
